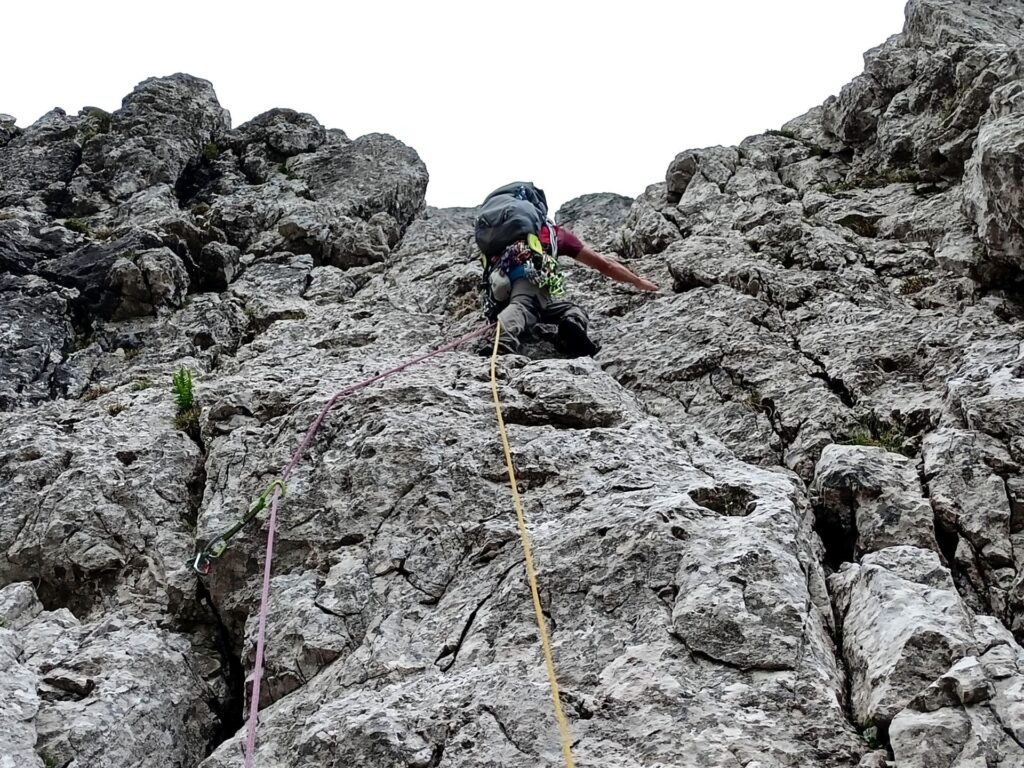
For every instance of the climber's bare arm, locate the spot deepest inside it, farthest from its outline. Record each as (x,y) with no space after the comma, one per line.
(612,269)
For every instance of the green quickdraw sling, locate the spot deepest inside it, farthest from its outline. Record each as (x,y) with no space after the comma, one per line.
(548,275)
(219,544)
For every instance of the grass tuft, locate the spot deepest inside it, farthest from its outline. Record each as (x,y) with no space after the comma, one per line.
(77,225)
(211,151)
(95,391)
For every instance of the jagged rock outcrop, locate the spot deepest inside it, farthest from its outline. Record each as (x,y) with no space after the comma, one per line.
(779,519)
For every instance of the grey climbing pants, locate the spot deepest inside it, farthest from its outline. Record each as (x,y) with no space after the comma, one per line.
(529,305)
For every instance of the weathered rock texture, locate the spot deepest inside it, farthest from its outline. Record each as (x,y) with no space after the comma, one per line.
(779,520)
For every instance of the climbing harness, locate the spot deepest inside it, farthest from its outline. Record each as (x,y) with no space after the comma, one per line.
(275,491)
(531,574)
(523,259)
(219,544)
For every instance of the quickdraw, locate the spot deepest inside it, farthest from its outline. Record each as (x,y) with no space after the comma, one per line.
(219,544)
(204,560)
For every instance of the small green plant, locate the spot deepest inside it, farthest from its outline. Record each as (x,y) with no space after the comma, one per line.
(141,384)
(916,284)
(862,225)
(784,133)
(130,353)
(116,408)
(77,225)
(288,172)
(104,233)
(211,151)
(187,417)
(200,209)
(872,737)
(94,392)
(900,176)
(182,387)
(6,215)
(876,435)
(188,421)
(49,761)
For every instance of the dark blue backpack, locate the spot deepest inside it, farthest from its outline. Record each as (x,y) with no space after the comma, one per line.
(508,214)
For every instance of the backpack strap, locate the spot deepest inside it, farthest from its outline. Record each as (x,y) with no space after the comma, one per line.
(551,236)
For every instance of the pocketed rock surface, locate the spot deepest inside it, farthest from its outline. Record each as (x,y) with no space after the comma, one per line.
(778,520)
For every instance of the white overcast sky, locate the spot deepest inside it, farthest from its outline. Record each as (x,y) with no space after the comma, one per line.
(576,96)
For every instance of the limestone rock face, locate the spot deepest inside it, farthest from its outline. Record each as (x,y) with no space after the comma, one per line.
(98,693)
(995,176)
(778,520)
(903,626)
(873,495)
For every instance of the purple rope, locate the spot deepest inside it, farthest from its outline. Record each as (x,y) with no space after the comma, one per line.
(250,739)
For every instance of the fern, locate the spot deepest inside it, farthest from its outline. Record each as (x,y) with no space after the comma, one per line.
(183,395)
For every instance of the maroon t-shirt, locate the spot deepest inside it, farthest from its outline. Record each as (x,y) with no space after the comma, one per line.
(568,243)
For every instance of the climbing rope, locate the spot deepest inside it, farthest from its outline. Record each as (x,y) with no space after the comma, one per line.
(276,489)
(531,574)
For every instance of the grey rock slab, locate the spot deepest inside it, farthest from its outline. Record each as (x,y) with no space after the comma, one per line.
(87,269)
(374,173)
(99,496)
(38,162)
(934,23)
(646,673)
(587,397)
(876,494)
(126,695)
(733,608)
(970,715)
(969,498)
(443,565)
(813,173)
(19,605)
(853,115)
(115,692)
(305,635)
(265,142)
(35,330)
(985,393)
(943,734)
(994,176)
(903,625)
(19,705)
(809,127)
(29,237)
(346,203)
(650,227)
(8,129)
(597,219)
(147,281)
(161,127)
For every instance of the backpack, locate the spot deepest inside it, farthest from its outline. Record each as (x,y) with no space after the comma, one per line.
(510,213)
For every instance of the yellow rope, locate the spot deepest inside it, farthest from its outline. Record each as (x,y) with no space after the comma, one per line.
(531,574)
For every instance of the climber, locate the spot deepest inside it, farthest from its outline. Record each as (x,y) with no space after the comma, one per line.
(522,282)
